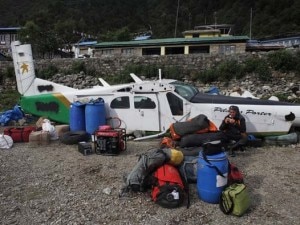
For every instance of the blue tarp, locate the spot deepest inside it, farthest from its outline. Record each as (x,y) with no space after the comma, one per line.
(12,114)
(213,90)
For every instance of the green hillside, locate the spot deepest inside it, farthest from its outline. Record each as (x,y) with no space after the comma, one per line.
(103,18)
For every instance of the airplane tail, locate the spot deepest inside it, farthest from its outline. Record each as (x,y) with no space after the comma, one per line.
(27,82)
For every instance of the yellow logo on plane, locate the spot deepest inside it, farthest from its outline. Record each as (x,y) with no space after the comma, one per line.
(24,68)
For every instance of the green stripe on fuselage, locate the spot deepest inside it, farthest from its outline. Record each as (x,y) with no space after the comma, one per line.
(53,106)
(272,133)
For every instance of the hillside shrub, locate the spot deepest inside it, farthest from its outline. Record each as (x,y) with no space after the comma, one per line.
(1,77)
(172,72)
(91,71)
(47,72)
(8,72)
(9,98)
(297,55)
(207,76)
(283,61)
(230,69)
(259,67)
(78,66)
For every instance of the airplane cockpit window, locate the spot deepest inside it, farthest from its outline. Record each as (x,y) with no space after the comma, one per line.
(185,90)
(175,103)
(120,103)
(142,102)
(127,89)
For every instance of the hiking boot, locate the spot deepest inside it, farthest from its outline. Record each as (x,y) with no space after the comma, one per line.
(231,153)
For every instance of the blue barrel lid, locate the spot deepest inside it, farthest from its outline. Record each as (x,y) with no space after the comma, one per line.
(216,157)
(98,101)
(77,103)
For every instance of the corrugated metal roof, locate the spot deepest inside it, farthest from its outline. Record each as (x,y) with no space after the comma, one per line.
(87,43)
(172,41)
(9,28)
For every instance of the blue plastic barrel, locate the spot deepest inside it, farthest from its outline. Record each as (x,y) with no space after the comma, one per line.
(94,115)
(77,116)
(209,183)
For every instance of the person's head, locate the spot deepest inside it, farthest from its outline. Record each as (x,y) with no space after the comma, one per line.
(234,111)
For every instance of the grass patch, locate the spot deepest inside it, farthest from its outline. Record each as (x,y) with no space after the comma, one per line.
(9,99)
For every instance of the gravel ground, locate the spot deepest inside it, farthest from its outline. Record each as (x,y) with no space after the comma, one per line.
(55,184)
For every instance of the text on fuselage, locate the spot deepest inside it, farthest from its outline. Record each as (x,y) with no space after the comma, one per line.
(248,111)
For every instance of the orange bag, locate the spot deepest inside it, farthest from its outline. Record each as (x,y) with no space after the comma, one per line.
(167,142)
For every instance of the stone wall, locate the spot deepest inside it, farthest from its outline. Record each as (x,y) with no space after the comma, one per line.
(110,66)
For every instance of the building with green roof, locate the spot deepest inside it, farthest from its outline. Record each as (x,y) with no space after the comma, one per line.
(171,46)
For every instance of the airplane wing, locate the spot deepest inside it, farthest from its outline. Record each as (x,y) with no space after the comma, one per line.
(104,83)
(136,78)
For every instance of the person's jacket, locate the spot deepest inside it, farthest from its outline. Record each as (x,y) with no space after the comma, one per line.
(239,127)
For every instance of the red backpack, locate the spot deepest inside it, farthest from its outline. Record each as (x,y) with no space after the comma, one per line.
(168,187)
(234,175)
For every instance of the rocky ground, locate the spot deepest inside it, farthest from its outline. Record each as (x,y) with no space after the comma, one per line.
(55,184)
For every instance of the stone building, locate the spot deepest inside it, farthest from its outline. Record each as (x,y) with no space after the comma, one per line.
(172,46)
(7,35)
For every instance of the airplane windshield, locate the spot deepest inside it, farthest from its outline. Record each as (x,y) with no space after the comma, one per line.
(185,90)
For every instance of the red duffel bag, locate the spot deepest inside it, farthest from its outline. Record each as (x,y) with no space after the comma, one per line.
(19,134)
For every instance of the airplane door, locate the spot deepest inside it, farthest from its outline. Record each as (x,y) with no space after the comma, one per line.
(146,113)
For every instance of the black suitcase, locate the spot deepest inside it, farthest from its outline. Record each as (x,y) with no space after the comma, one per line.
(85,148)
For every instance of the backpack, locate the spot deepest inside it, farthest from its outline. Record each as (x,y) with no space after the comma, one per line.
(235,200)
(168,187)
(234,174)
(140,177)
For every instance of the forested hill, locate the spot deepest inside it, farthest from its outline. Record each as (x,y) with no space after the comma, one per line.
(102,18)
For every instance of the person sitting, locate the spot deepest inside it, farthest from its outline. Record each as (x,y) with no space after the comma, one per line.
(233,128)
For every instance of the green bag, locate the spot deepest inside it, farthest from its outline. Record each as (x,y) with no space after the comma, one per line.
(235,199)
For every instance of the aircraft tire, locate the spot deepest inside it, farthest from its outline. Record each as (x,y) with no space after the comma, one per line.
(74,137)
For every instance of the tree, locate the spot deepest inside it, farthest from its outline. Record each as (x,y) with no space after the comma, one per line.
(122,34)
(44,42)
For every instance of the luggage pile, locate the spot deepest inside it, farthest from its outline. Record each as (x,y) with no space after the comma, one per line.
(194,132)
(42,133)
(158,171)
(167,180)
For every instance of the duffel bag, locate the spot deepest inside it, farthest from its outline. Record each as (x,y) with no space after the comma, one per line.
(235,199)
(19,134)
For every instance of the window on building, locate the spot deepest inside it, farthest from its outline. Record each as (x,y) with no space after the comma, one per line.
(120,103)
(2,39)
(174,50)
(195,35)
(107,51)
(151,51)
(13,37)
(227,49)
(127,51)
(143,102)
(198,49)
(175,103)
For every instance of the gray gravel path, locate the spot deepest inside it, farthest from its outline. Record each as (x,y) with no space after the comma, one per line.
(55,184)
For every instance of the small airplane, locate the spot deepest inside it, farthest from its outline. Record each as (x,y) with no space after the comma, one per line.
(147,105)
